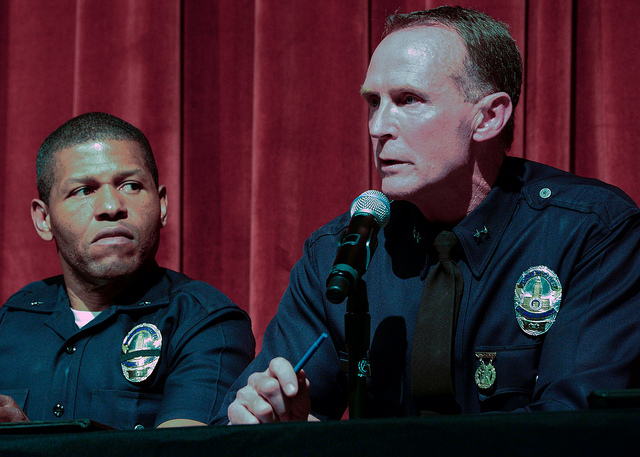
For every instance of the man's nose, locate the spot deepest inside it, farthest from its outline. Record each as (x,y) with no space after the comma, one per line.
(383,122)
(110,203)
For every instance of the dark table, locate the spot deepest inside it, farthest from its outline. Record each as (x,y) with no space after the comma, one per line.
(595,432)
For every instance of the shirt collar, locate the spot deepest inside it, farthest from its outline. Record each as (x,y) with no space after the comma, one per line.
(480,232)
(151,288)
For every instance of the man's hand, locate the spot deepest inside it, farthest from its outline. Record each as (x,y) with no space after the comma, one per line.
(172,423)
(276,394)
(10,411)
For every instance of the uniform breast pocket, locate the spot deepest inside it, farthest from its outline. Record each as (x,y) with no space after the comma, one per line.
(124,409)
(516,368)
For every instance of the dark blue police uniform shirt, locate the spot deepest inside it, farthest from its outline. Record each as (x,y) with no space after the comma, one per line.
(585,231)
(56,371)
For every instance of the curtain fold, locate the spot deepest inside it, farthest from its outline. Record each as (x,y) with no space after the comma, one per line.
(606,120)
(253,112)
(217,109)
(549,75)
(37,55)
(310,156)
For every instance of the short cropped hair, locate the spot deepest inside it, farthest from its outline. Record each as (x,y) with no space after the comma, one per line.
(493,62)
(85,128)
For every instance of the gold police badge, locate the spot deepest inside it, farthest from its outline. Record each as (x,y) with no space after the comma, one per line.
(140,352)
(537,300)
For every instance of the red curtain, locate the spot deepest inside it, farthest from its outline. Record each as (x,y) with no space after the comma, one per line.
(252,109)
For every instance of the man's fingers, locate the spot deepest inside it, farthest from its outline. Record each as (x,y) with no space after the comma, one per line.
(276,394)
(271,391)
(282,370)
(261,400)
(6,400)
(239,412)
(12,415)
(300,405)
(10,411)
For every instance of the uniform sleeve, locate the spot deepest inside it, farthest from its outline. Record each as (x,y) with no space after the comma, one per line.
(301,318)
(595,341)
(206,354)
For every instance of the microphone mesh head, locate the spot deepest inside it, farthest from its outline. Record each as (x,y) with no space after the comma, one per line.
(375,203)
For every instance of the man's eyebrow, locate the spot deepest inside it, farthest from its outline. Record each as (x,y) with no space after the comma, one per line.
(364,92)
(409,89)
(88,178)
(128,173)
(396,90)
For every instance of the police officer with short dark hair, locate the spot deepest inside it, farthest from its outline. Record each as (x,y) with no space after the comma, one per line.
(115,338)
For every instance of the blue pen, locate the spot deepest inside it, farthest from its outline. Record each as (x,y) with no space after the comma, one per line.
(305,358)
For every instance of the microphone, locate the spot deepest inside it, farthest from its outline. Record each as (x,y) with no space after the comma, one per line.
(369,213)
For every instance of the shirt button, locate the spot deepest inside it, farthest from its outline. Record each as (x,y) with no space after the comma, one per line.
(70,349)
(58,410)
(139,427)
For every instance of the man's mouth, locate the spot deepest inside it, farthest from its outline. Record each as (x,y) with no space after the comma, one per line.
(389,163)
(113,235)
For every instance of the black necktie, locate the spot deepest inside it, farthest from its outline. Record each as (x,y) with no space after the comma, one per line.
(431,357)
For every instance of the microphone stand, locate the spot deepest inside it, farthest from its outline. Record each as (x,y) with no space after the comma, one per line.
(357,322)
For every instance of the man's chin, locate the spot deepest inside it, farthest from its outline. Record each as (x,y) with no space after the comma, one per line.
(395,190)
(410,189)
(115,271)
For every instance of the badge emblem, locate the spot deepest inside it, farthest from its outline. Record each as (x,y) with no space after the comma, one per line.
(140,352)
(486,373)
(537,300)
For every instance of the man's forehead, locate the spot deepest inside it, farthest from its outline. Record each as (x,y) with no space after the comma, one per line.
(445,36)
(103,144)
(420,46)
(101,147)
(97,154)
(92,145)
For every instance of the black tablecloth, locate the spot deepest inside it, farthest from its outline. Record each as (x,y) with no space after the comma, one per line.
(600,432)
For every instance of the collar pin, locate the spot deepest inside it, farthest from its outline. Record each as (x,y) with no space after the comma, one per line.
(481,234)
(416,235)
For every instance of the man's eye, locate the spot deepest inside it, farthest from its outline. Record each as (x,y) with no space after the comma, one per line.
(410,99)
(83,191)
(131,187)
(374,102)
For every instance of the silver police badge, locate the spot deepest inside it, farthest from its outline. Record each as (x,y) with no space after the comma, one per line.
(537,300)
(140,352)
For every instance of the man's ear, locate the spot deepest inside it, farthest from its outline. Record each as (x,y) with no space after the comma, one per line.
(41,220)
(493,113)
(162,192)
